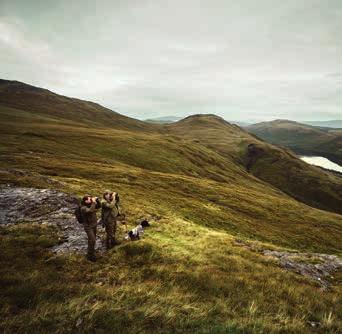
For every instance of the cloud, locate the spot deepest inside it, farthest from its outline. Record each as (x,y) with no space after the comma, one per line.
(12,38)
(247,59)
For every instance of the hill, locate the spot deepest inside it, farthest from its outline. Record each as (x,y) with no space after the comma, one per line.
(276,166)
(219,193)
(326,124)
(41,101)
(302,138)
(164,119)
(221,139)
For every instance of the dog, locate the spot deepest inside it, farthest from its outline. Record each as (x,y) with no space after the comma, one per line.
(138,231)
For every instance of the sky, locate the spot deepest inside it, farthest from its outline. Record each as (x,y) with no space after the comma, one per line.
(246,60)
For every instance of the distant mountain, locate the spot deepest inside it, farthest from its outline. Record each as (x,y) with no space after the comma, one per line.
(276,166)
(19,95)
(337,124)
(172,119)
(241,123)
(164,119)
(301,138)
(201,146)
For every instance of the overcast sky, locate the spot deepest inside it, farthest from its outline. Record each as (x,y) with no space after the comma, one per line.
(243,60)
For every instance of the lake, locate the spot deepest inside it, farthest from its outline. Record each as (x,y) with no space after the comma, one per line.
(322,162)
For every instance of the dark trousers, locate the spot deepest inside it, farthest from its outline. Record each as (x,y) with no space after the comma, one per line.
(91,234)
(110,234)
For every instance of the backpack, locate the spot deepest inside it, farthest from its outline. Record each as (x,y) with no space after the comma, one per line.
(78,214)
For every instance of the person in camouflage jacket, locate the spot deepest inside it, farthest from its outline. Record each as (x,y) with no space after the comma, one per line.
(110,212)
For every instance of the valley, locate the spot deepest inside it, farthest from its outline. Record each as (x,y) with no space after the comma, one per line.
(303,139)
(209,182)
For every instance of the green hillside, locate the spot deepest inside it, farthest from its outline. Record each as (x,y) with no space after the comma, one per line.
(188,274)
(279,167)
(302,138)
(40,101)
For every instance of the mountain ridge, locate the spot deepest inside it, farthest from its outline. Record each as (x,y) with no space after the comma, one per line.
(301,138)
(20,95)
(212,147)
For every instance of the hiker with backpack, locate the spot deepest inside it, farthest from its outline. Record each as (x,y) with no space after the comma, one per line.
(86,215)
(109,215)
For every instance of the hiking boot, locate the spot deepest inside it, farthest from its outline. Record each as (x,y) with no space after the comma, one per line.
(91,258)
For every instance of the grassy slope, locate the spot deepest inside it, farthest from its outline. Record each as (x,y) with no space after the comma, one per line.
(170,282)
(302,138)
(30,98)
(203,134)
(277,166)
(190,178)
(188,274)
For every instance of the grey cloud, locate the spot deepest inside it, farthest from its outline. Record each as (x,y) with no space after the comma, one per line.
(240,59)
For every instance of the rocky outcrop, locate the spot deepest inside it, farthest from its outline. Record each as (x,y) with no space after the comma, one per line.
(47,207)
(317,266)
(54,208)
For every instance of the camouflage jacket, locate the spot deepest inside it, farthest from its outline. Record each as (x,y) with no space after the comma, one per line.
(89,214)
(110,210)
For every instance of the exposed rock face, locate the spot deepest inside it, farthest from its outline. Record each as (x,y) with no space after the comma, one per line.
(45,206)
(319,267)
(313,265)
(50,207)
(34,205)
